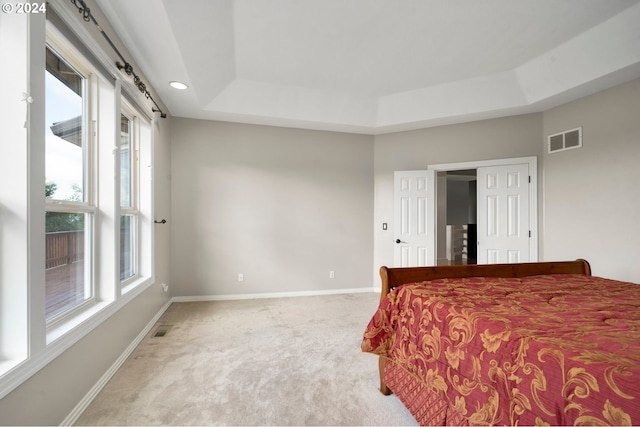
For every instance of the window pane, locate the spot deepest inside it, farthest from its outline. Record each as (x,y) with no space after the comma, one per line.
(64,134)
(127,246)
(65,253)
(125,162)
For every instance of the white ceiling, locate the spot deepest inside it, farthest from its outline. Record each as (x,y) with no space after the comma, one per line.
(376,66)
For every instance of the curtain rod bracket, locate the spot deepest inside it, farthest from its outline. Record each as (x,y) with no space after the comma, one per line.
(163,115)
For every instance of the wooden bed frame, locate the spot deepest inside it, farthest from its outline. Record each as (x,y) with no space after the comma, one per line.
(394,277)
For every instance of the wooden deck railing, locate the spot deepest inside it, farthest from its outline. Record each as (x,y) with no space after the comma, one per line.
(64,284)
(64,247)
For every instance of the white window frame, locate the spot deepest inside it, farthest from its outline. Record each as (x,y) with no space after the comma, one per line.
(65,51)
(101,158)
(144,204)
(133,210)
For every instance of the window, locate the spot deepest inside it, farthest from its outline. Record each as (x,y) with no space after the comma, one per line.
(128,194)
(69,216)
(96,226)
(76,244)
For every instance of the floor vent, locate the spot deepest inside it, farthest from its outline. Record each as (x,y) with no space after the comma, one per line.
(161,331)
(565,140)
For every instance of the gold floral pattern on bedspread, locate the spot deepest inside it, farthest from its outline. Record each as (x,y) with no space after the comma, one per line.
(552,349)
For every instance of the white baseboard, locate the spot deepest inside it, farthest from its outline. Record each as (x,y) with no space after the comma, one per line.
(229,297)
(88,398)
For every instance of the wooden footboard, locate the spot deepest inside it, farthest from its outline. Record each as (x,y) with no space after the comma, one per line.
(394,277)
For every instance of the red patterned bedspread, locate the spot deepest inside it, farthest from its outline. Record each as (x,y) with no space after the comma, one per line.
(554,349)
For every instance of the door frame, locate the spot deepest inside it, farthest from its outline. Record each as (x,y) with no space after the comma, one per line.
(532,161)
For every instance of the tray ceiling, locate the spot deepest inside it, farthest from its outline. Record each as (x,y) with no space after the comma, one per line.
(376,66)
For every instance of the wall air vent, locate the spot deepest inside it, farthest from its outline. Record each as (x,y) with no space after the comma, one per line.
(565,140)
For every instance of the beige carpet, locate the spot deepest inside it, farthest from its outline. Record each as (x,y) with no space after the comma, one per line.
(285,361)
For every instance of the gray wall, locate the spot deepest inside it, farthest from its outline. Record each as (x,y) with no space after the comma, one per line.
(461,202)
(516,136)
(281,206)
(591,194)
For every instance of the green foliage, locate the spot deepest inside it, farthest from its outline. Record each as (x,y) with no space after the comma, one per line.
(63,221)
(49,189)
(77,193)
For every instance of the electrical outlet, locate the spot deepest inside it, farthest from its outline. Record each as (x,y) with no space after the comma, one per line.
(240,277)
(332,274)
(165,287)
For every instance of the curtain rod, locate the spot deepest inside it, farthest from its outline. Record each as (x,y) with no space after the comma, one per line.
(88,17)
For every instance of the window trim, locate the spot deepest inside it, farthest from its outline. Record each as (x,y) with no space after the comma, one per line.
(113,290)
(133,210)
(64,50)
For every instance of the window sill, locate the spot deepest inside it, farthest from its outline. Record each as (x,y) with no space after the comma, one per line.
(86,320)
(133,283)
(66,326)
(63,335)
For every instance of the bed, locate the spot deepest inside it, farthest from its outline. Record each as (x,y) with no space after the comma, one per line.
(509,344)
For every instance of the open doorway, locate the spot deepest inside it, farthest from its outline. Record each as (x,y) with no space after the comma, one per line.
(507,229)
(506,209)
(457,219)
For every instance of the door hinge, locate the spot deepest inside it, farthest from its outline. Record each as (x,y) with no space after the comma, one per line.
(529,233)
(529,179)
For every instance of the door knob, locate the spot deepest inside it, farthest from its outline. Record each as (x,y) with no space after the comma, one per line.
(399,241)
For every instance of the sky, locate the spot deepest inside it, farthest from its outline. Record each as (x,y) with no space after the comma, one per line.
(63,159)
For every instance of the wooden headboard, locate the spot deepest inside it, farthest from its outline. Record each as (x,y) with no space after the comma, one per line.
(394,277)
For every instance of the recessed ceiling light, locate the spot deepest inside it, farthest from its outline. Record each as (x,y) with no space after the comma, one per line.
(178,85)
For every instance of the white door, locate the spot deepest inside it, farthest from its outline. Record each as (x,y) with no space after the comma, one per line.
(414,218)
(503,214)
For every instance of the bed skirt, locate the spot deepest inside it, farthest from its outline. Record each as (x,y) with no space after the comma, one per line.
(429,408)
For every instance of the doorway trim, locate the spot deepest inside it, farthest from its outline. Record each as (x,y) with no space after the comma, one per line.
(532,161)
